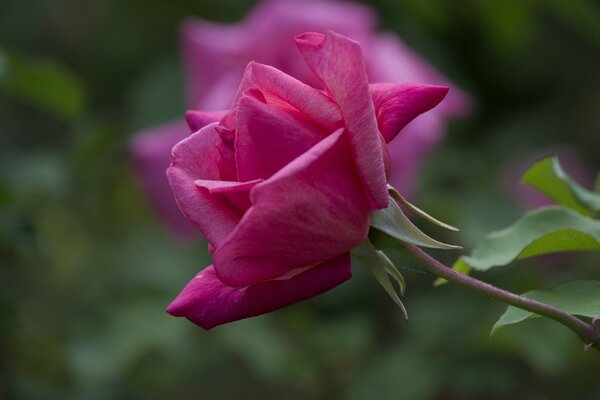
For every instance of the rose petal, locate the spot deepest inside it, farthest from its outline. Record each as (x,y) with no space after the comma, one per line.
(208,302)
(199,119)
(396,104)
(197,158)
(268,138)
(391,60)
(338,63)
(237,193)
(311,210)
(151,154)
(313,103)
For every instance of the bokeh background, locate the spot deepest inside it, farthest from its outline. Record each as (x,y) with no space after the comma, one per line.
(87,269)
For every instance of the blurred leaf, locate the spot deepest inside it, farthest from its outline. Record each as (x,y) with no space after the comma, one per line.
(157,96)
(134,329)
(548,176)
(578,297)
(380,265)
(548,230)
(404,372)
(392,221)
(62,237)
(263,348)
(35,174)
(354,335)
(581,15)
(532,341)
(42,83)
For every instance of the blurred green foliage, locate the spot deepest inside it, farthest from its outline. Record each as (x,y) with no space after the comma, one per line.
(86,270)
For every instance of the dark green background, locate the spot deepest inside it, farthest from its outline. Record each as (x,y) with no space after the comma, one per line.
(86,269)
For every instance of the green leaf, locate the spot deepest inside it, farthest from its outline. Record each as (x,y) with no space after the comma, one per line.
(578,297)
(393,222)
(548,176)
(44,84)
(381,267)
(547,230)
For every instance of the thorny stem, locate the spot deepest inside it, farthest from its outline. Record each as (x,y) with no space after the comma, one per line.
(588,333)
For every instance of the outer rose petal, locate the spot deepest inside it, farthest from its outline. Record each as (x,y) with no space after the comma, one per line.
(151,154)
(313,103)
(311,210)
(338,62)
(390,60)
(208,302)
(397,104)
(236,193)
(268,138)
(197,158)
(199,119)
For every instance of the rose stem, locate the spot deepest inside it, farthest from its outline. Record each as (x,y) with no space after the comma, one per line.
(588,334)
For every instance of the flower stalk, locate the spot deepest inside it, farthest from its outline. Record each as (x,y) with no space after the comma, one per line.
(586,332)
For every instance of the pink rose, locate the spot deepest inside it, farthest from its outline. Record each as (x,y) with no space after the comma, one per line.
(282,184)
(215,56)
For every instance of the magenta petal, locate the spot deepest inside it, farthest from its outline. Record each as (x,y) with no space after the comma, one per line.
(311,102)
(208,302)
(197,158)
(268,138)
(311,210)
(237,193)
(390,60)
(271,82)
(397,104)
(199,119)
(338,63)
(151,154)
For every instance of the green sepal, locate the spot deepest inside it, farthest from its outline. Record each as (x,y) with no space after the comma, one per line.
(393,222)
(394,194)
(382,269)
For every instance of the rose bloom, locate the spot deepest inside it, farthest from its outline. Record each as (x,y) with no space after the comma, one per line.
(282,184)
(215,56)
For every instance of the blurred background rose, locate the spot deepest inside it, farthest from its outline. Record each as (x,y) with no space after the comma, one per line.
(87,270)
(216,54)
